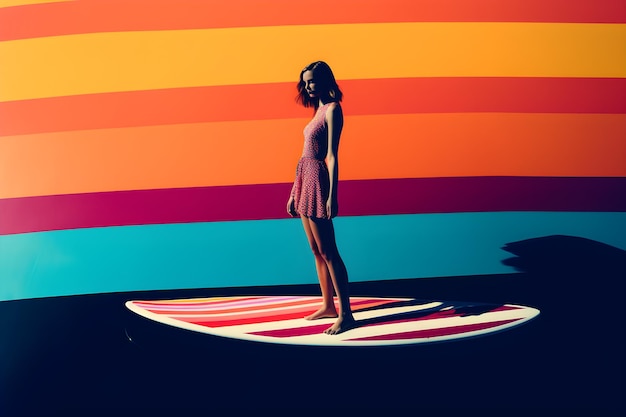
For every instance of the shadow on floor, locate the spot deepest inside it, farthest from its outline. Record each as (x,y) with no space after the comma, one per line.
(568,254)
(569,269)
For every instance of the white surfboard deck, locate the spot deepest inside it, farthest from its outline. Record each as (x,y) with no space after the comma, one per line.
(380,321)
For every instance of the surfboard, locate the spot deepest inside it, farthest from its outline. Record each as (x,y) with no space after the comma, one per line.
(380,321)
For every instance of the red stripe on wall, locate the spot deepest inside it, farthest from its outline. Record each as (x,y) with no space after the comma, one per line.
(89,16)
(357,198)
(362,97)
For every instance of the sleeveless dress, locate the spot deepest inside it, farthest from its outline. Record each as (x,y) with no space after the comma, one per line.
(311,187)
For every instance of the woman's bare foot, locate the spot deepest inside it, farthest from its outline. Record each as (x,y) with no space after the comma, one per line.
(323,313)
(343,324)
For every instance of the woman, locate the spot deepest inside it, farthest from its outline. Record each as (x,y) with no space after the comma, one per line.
(314,192)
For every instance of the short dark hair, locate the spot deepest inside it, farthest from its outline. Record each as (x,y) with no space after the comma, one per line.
(325,80)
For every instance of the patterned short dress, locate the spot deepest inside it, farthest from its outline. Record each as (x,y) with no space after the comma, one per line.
(312,184)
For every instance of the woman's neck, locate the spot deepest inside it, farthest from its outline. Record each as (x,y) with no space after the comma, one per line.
(325,99)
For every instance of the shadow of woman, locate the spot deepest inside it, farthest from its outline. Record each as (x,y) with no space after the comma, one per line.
(577,283)
(567,254)
(441,310)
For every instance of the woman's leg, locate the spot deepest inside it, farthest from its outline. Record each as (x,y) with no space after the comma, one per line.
(326,285)
(323,234)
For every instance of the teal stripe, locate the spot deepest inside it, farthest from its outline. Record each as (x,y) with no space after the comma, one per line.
(275,252)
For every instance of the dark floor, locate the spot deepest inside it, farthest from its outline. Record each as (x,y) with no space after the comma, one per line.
(88,355)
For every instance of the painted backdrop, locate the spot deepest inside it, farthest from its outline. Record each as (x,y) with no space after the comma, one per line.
(150,144)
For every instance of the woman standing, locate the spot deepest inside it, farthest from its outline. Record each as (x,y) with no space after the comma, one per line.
(314,192)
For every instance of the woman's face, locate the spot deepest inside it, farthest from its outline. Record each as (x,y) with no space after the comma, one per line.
(309,84)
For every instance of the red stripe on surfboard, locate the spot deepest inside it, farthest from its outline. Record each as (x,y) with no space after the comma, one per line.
(201,308)
(417,334)
(86,16)
(383,321)
(226,304)
(240,313)
(254,317)
(301,310)
(357,198)
(362,97)
(194,302)
(293,332)
(195,310)
(438,332)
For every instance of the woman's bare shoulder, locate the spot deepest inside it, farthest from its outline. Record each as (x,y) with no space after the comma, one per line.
(334,110)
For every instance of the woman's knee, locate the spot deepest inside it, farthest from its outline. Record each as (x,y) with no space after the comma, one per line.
(328,254)
(316,251)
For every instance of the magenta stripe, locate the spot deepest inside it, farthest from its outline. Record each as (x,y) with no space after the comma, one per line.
(357,198)
(437,332)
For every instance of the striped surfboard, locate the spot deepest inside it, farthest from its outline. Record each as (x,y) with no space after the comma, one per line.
(380,321)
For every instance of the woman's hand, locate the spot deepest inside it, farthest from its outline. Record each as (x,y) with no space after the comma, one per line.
(291,208)
(331,209)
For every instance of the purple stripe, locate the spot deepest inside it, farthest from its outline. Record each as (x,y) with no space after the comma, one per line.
(357,198)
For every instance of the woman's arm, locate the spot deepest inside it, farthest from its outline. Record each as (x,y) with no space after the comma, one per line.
(334,121)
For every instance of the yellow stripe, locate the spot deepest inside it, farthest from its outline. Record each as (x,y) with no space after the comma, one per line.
(127,61)
(11,3)
(258,152)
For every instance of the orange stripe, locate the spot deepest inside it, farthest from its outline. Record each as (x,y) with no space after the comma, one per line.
(134,61)
(13,3)
(259,152)
(123,15)
(450,145)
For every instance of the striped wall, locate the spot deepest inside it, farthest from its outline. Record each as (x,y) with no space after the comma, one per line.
(172,124)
